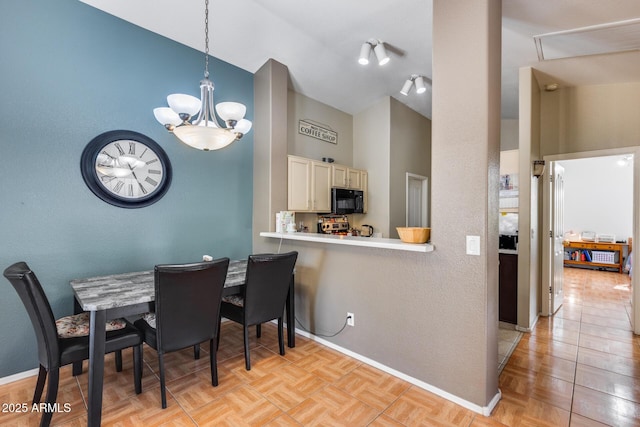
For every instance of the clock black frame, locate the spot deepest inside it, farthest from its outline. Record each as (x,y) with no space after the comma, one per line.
(91,178)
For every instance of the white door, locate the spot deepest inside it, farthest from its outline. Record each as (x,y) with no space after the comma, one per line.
(553,276)
(416,209)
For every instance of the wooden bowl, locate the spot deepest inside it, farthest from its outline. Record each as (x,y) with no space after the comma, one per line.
(414,234)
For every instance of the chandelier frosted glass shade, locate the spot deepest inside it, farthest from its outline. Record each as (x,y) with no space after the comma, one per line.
(204,132)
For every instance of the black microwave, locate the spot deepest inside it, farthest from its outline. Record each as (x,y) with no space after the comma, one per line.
(345,201)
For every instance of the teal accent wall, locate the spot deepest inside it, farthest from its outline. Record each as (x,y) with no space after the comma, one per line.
(69,72)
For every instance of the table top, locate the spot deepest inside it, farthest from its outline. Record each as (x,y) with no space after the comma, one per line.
(119,290)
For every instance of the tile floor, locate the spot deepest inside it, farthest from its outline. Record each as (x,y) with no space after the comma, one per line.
(579,368)
(508,339)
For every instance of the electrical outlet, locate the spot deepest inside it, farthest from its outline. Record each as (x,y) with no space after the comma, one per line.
(351,319)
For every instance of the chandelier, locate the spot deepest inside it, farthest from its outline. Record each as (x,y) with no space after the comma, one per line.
(204,132)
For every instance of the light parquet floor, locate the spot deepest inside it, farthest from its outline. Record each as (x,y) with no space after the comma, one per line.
(579,368)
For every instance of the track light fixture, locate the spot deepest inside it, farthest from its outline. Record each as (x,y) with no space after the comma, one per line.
(378,49)
(419,82)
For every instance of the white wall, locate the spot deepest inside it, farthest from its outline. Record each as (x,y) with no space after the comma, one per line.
(598,196)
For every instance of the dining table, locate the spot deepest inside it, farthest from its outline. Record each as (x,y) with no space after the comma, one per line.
(132,294)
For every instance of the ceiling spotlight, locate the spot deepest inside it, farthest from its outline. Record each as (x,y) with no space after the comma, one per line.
(378,48)
(407,87)
(365,51)
(419,82)
(420,87)
(381,53)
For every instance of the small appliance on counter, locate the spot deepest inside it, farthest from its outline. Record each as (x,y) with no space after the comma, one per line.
(333,224)
(366,230)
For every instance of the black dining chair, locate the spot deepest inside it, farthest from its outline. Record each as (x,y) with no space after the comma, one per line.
(187,311)
(264,296)
(66,340)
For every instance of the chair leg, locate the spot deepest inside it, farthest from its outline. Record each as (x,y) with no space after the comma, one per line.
(42,377)
(118,360)
(77,368)
(280,336)
(52,394)
(247,360)
(213,360)
(196,351)
(137,368)
(259,330)
(219,328)
(163,392)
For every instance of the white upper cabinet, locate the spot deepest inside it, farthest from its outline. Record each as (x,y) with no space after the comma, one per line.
(346,177)
(309,185)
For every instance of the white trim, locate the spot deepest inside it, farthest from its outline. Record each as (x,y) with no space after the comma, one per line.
(484,410)
(19,376)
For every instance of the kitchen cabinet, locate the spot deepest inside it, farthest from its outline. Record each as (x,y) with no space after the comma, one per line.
(508,288)
(309,185)
(346,177)
(364,182)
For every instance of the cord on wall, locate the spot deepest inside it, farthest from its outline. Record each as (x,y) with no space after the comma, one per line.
(322,335)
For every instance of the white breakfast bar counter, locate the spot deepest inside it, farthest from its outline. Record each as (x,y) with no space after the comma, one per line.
(370,242)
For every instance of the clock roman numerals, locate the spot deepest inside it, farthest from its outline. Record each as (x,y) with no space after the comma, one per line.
(118,186)
(151,181)
(132,148)
(108,155)
(119,147)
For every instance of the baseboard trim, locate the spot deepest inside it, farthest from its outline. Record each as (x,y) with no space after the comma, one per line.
(484,410)
(530,328)
(19,376)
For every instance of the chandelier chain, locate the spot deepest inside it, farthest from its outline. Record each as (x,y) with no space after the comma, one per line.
(206,39)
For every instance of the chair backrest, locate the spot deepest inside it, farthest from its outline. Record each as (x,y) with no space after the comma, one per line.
(266,286)
(35,301)
(188,302)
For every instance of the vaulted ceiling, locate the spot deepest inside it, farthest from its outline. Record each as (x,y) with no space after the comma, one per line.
(320,41)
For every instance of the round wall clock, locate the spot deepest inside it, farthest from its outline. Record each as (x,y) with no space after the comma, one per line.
(126,169)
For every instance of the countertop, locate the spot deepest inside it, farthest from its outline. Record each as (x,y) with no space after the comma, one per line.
(370,242)
(508,251)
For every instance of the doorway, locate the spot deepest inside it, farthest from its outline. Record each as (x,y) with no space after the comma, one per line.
(417,209)
(573,229)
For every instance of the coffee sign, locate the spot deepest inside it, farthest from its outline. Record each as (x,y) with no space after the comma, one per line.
(317,132)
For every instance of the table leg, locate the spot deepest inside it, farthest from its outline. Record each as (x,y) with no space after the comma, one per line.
(77,366)
(291,313)
(97,337)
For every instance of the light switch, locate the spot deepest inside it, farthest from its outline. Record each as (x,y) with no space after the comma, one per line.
(473,245)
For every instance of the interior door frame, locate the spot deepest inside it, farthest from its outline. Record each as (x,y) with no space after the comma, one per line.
(635,151)
(425,198)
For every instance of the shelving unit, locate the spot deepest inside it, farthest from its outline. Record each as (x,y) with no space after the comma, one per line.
(601,258)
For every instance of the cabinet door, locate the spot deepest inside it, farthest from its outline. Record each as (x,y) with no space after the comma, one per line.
(354,179)
(364,184)
(320,187)
(508,288)
(299,184)
(339,177)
